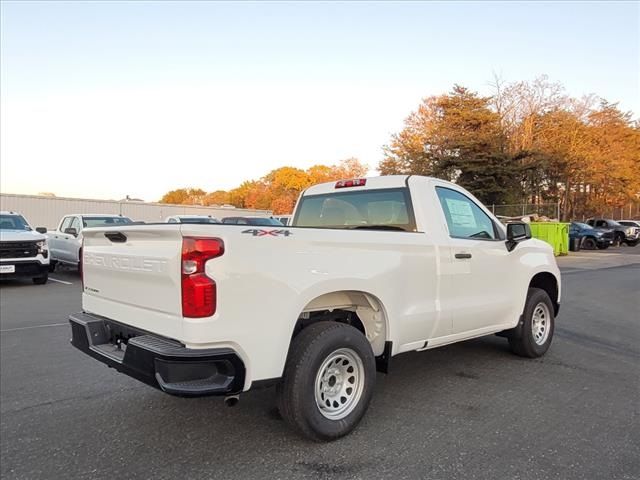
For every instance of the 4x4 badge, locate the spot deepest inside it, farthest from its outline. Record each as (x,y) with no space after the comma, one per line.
(266,233)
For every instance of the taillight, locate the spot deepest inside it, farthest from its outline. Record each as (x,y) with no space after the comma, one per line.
(198,290)
(356,182)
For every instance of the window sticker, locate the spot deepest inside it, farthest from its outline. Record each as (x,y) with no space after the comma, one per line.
(461,213)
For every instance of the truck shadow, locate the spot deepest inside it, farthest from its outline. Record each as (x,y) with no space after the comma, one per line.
(140,432)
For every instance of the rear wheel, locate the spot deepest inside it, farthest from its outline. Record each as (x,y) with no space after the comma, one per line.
(41,280)
(328,381)
(52,266)
(536,331)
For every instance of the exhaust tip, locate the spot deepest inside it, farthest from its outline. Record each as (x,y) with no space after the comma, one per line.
(231,401)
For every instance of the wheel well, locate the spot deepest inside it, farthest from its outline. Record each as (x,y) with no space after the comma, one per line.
(547,282)
(359,309)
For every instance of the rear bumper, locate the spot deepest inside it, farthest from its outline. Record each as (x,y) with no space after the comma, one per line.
(24,269)
(158,361)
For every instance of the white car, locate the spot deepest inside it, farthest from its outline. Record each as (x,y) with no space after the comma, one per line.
(24,253)
(371,268)
(191,219)
(633,237)
(65,242)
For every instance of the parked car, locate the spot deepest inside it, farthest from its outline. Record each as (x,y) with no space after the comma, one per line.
(24,253)
(591,238)
(633,224)
(191,219)
(255,221)
(371,268)
(284,219)
(623,234)
(66,240)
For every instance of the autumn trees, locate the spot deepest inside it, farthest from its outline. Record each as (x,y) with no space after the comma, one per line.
(277,191)
(184,196)
(527,143)
(456,137)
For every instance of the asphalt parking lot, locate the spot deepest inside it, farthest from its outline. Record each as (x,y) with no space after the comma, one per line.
(468,411)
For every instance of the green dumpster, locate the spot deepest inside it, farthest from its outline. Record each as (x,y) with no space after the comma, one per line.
(555,234)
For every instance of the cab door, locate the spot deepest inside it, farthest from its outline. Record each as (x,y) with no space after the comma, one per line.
(57,238)
(68,243)
(478,289)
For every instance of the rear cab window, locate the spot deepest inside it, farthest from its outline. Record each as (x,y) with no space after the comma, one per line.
(89,222)
(384,209)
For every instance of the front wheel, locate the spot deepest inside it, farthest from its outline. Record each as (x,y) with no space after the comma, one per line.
(631,243)
(328,381)
(536,332)
(41,280)
(589,243)
(619,240)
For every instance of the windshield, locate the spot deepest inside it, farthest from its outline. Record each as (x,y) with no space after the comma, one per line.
(198,220)
(369,209)
(89,222)
(583,226)
(13,222)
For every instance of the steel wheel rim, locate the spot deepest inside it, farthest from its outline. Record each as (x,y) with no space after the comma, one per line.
(339,384)
(541,323)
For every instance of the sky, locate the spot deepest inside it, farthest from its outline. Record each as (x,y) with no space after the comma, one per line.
(108,99)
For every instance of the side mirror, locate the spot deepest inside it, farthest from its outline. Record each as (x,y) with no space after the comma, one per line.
(71,231)
(517,232)
(41,229)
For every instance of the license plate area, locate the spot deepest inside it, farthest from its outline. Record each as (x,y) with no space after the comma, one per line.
(7,269)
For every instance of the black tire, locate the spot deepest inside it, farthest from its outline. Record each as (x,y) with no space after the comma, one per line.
(631,243)
(41,280)
(619,239)
(522,342)
(52,266)
(296,392)
(589,243)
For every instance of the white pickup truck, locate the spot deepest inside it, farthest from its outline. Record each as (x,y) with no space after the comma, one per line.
(66,240)
(370,268)
(24,253)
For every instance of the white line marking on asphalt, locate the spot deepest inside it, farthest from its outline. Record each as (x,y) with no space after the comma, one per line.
(60,281)
(34,326)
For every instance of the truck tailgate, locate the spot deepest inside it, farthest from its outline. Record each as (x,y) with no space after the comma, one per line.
(132,275)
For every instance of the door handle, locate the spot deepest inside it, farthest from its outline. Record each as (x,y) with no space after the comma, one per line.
(463,255)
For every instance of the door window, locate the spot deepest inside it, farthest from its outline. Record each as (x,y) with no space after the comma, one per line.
(66,223)
(465,219)
(75,223)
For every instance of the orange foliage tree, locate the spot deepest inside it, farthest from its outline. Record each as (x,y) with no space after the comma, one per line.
(277,191)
